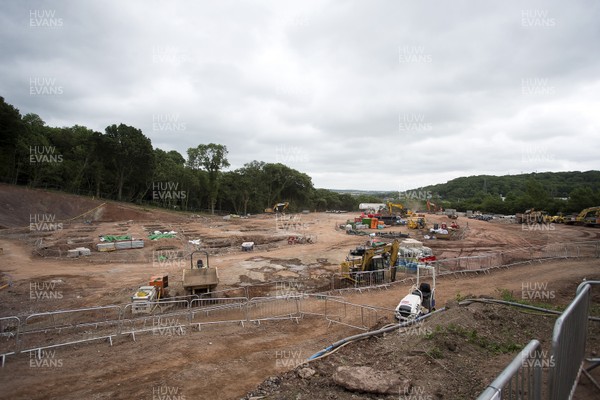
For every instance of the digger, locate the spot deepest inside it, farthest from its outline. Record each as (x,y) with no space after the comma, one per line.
(421,298)
(376,257)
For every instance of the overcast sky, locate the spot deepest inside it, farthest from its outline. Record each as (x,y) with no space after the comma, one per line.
(374,95)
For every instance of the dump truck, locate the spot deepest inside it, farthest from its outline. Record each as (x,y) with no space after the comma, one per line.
(200,279)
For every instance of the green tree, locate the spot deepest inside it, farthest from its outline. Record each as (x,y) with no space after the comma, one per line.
(132,159)
(580,198)
(211,158)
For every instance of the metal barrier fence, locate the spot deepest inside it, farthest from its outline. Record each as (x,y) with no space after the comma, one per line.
(521,379)
(317,304)
(565,364)
(519,256)
(218,311)
(568,346)
(470,264)
(233,292)
(270,308)
(159,324)
(9,335)
(69,326)
(352,315)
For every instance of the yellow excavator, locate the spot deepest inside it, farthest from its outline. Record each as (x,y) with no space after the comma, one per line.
(375,258)
(587,217)
(400,207)
(278,208)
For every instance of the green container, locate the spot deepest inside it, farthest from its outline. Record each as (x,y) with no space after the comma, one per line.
(367,221)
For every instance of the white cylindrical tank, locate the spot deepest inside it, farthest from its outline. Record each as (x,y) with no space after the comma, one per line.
(371,206)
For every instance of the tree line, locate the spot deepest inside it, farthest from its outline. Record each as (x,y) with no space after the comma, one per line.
(555,192)
(122,164)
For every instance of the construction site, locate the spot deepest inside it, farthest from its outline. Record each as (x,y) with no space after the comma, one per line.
(103,300)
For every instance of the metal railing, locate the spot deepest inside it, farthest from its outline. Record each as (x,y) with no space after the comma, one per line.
(218,311)
(350,314)
(565,364)
(9,336)
(270,308)
(568,346)
(521,379)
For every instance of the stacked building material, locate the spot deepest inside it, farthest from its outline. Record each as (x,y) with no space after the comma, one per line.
(110,246)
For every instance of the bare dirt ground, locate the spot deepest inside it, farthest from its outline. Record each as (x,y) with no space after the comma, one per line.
(226,363)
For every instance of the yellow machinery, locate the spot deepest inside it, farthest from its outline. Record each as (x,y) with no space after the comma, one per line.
(391,206)
(375,258)
(200,279)
(416,223)
(278,208)
(588,217)
(532,216)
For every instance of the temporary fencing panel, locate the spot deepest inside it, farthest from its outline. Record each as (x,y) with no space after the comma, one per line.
(233,292)
(316,304)
(218,310)
(521,379)
(568,346)
(266,308)
(142,308)
(70,326)
(349,314)
(9,335)
(162,316)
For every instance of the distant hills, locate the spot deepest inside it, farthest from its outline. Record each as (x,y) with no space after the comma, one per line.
(566,192)
(556,184)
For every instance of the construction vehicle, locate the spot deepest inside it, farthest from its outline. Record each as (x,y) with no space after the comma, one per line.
(421,297)
(144,299)
(199,278)
(278,208)
(532,216)
(558,218)
(432,208)
(396,206)
(416,223)
(587,217)
(161,283)
(374,258)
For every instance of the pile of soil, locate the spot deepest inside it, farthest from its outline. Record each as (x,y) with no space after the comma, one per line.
(454,354)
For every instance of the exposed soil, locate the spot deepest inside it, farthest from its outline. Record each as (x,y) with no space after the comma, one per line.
(227,362)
